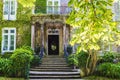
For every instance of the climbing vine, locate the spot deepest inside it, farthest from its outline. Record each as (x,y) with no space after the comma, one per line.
(40,6)
(22,24)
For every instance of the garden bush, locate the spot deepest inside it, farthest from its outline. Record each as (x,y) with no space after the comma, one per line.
(5,67)
(108,57)
(35,61)
(73,60)
(69,49)
(82,58)
(21,62)
(37,50)
(6,55)
(28,48)
(109,70)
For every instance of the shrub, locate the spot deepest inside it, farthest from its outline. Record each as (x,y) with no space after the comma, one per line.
(0,55)
(82,58)
(21,62)
(5,67)
(69,49)
(108,57)
(35,61)
(37,49)
(109,70)
(73,60)
(6,55)
(28,48)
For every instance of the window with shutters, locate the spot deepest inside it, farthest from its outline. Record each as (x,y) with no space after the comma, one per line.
(9,9)
(53,6)
(8,39)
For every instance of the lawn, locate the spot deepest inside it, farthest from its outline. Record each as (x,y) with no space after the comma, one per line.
(98,78)
(6,78)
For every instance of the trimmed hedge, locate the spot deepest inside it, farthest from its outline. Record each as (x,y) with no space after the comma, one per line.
(109,70)
(21,62)
(18,64)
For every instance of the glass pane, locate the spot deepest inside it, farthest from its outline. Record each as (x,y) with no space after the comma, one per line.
(5,31)
(56,3)
(12,38)
(5,37)
(56,9)
(12,31)
(12,7)
(6,7)
(49,3)
(11,47)
(12,42)
(5,45)
(50,9)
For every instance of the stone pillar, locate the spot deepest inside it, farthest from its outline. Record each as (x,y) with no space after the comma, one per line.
(64,36)
(42,34)
(33,36)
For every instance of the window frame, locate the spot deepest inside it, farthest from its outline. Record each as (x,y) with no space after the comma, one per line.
(9,40)
(53,7)
(9,15)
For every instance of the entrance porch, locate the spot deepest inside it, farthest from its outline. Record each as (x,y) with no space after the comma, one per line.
(51,32)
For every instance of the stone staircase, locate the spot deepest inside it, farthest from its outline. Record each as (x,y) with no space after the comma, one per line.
(53,67)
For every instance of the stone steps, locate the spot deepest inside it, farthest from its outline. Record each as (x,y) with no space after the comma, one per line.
(53,67)
(55,70)
(55,77)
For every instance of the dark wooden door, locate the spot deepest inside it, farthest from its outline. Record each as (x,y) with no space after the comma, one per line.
(53,44)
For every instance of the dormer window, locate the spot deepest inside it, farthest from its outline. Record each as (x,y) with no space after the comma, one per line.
(53,6)
(9,9)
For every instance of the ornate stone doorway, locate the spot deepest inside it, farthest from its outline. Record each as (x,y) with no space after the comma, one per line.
(53,44)
(48,28)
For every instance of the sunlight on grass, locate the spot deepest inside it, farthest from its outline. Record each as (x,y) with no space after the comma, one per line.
(5,78)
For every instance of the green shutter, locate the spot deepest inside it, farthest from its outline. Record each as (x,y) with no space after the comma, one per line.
(40,6)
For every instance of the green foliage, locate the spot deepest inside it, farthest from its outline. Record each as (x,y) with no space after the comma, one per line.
(92,20)
(73,60)
(82,59)
(35,61)
(69,49)
(109,70)
(22,24)
(40,6)
(6,55)
(24,3)
(37,49)
(28,48)
(108,57)
(5,67)
(21,62)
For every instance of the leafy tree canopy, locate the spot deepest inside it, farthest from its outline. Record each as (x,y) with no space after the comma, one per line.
(93,24)
(27,3)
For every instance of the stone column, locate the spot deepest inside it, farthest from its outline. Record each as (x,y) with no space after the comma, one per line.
(64,35)
(33,36)
(42,34)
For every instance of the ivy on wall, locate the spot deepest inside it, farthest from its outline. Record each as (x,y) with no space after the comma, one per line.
(40,6)
(22,25)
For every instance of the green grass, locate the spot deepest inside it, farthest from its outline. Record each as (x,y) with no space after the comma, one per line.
(98,78)
(6,78)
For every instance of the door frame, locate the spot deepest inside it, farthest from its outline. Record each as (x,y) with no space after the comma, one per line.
(49,32)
